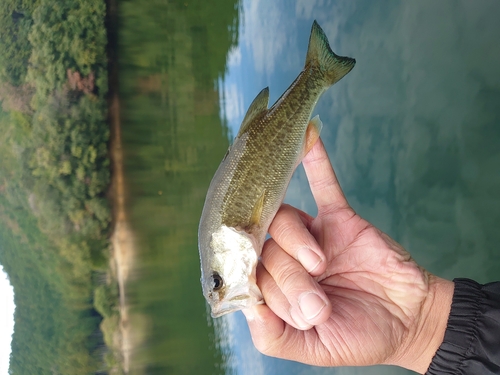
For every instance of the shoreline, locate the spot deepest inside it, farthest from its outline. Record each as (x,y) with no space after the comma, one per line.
(122,239)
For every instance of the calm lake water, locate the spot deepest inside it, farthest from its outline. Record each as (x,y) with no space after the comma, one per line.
(413,133)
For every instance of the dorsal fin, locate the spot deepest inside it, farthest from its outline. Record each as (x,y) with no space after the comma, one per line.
(258,106)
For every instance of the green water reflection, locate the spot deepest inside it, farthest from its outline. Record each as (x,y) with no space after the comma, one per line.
(171,53)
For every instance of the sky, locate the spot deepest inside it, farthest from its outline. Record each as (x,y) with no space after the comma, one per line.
(6,320)
(412,131)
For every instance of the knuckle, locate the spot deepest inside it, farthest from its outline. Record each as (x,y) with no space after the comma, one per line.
(270,252)
(341,210)
(269,246)
(290,278)
(289,235)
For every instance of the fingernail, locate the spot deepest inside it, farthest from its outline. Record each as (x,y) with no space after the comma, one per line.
(311,305)
(309,259)
(299,321)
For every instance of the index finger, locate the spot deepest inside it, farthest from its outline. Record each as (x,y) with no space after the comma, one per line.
(324,184)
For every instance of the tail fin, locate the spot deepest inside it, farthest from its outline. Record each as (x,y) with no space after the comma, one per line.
(320,54)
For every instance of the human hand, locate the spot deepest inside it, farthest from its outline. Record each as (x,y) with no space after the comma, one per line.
(364,300)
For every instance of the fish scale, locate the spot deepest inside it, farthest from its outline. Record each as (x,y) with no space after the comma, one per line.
(251,181)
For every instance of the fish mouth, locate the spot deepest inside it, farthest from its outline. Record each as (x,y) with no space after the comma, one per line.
(237,300)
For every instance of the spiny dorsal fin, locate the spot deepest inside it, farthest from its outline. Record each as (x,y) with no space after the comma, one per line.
(258,106)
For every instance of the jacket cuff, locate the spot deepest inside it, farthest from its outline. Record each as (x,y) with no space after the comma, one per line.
(461,328)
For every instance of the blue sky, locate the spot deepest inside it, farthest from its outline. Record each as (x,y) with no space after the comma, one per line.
(409,130)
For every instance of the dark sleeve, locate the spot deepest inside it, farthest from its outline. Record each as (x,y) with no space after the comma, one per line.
(471,344)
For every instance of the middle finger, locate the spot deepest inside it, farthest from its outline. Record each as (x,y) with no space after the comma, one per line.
(289,230)
(306,299)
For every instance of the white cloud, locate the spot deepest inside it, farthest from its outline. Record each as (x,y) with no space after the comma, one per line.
(304,8)
(232,105)
(234,57)
(6,320)
(268,34)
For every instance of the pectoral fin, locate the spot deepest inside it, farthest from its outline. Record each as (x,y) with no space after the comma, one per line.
(256,217)
(312,134)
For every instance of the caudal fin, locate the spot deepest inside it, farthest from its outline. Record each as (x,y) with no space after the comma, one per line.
(320,54)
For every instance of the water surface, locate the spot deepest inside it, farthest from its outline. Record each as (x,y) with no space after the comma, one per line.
(413,133)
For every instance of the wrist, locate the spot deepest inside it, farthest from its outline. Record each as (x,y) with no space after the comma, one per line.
(426,336)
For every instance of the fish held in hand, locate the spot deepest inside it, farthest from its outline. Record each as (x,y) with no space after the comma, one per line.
(251,181)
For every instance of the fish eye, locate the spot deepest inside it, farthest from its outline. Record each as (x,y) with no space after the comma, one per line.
(218,282)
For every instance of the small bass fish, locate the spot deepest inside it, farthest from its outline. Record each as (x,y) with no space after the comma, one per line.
(251,181)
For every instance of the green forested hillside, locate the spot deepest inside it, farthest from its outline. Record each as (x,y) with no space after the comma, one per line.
(54,172)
